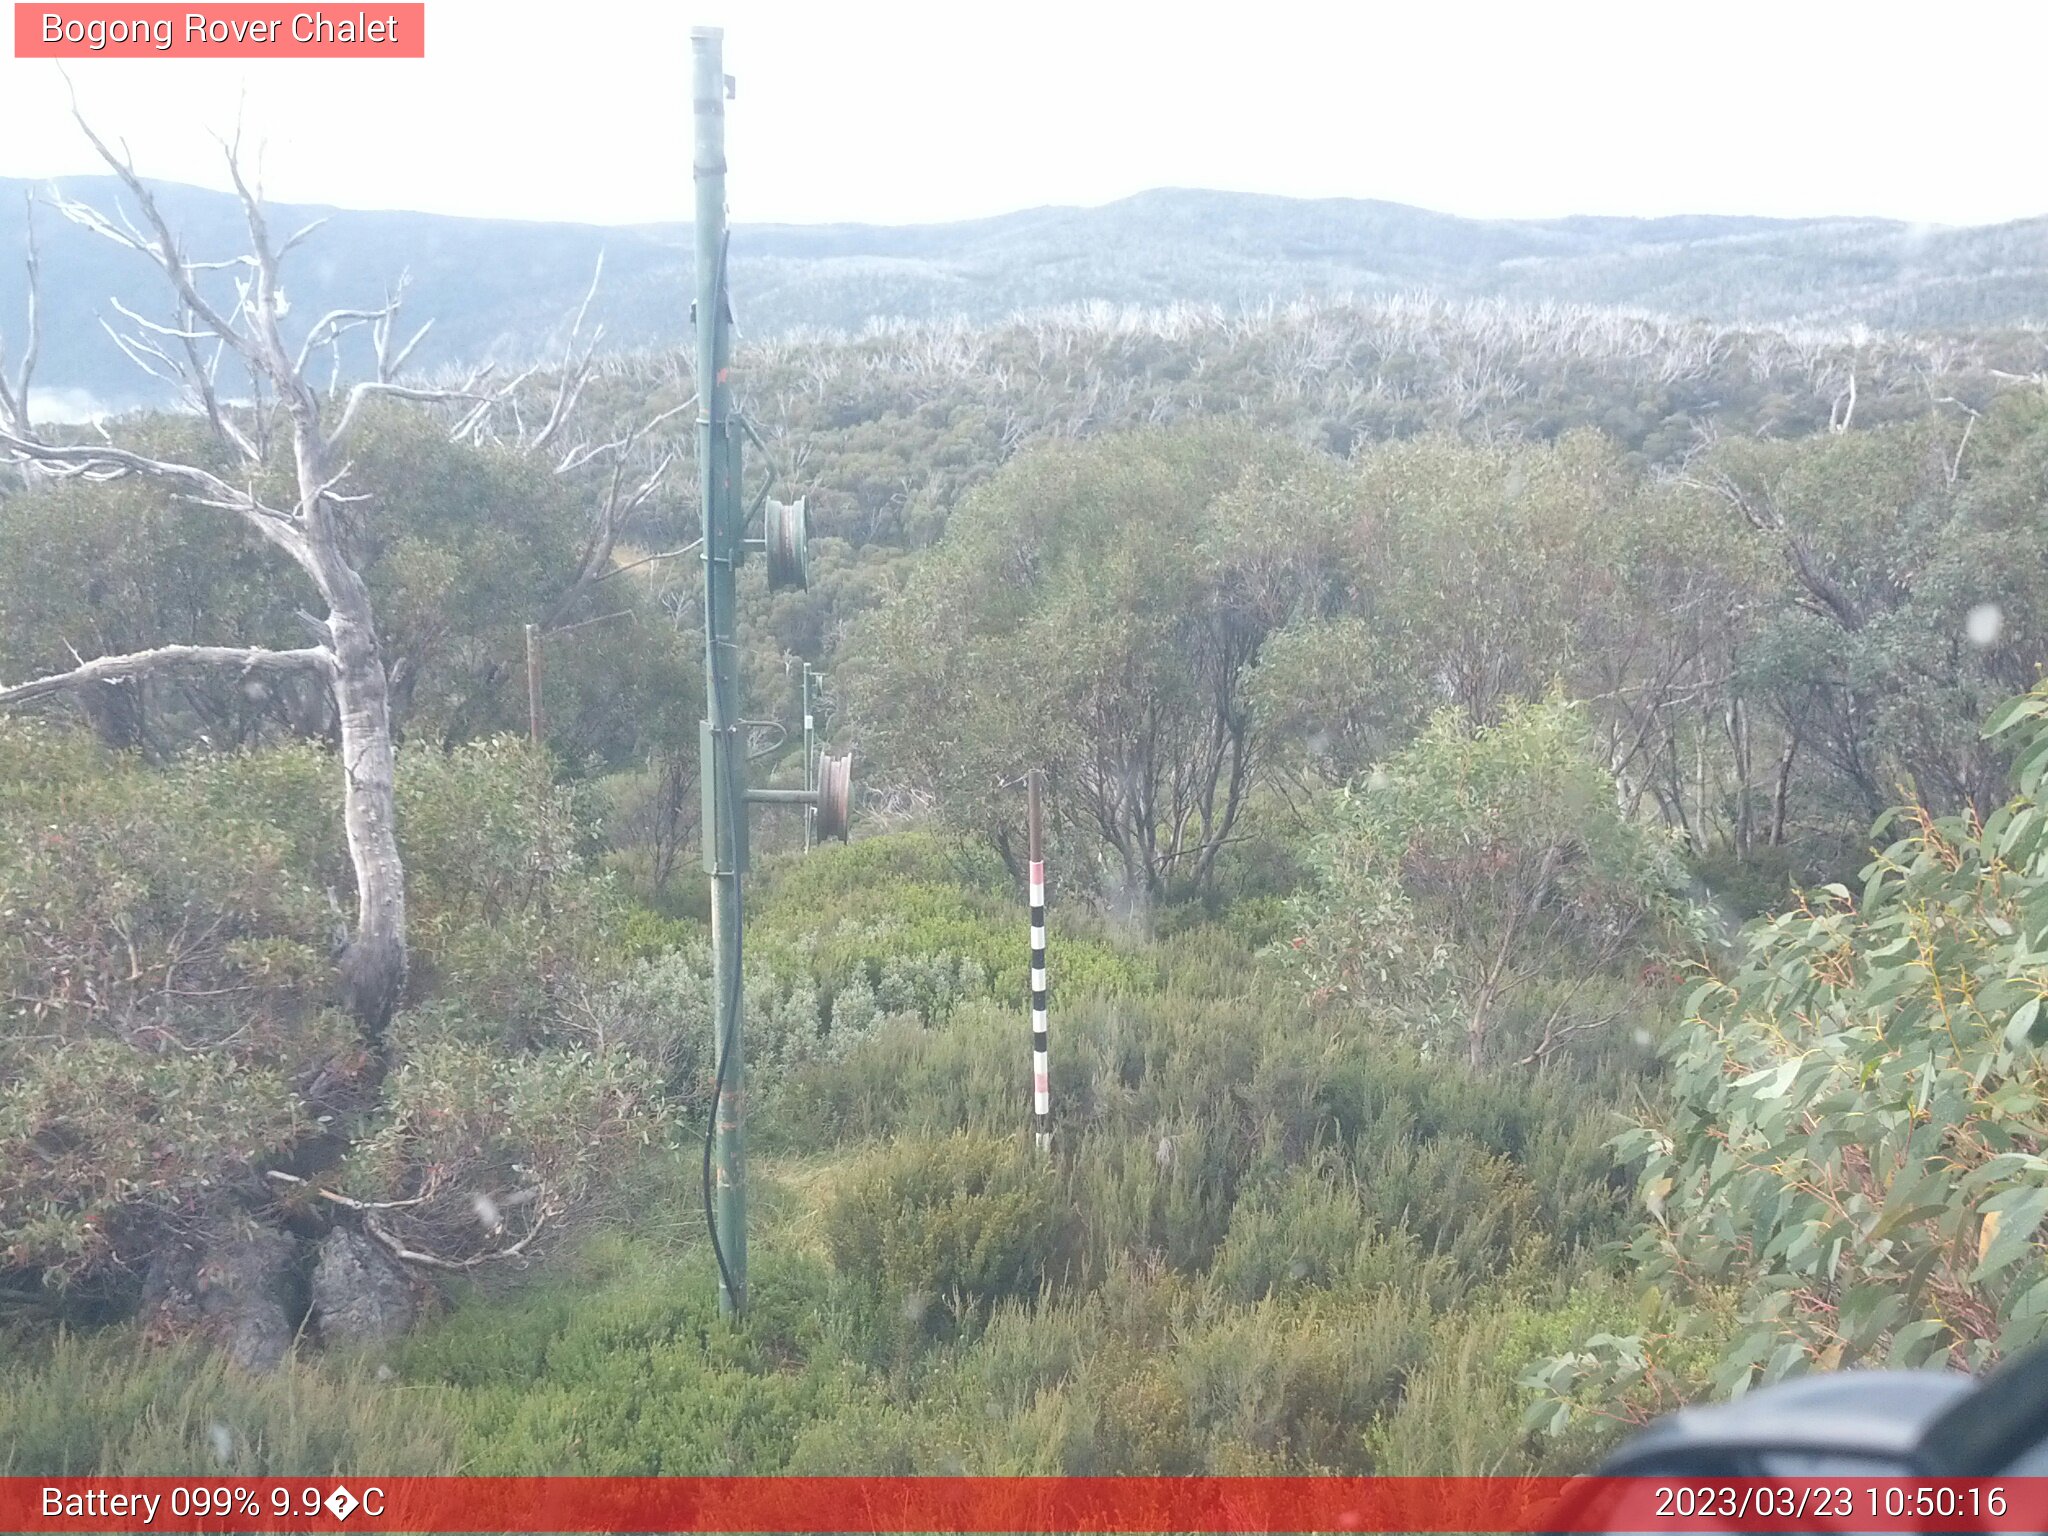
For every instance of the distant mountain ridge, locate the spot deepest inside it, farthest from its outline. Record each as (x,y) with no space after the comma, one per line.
(498,287)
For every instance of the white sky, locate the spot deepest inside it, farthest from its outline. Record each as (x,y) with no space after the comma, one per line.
(890,111)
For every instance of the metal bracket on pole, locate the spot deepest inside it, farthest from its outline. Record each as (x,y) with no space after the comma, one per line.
(828,804)
(724,837)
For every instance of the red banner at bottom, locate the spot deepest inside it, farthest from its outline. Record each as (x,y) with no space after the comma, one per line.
(1019,1504)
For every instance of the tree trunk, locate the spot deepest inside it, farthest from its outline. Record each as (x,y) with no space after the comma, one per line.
(1782,796)
(374,964)
(1738,740)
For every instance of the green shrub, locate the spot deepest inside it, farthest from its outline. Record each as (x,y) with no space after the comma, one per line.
(1289,1386)
(1748,885)
(922,926)
(490,1148)
(165,948)
(899,1078)
(1312,1230)
(107,1147)
(1163,1199)
(164,964)
(1476,861)
(505,909)
(1543,1133)
(621,1366)
(946,1226)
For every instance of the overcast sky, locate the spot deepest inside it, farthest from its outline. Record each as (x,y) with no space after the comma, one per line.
(894,112)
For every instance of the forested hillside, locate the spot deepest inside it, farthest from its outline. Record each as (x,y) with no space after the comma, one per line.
(494,288)
(1505,763)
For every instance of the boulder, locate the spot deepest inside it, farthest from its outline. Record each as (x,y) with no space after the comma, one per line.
(234,1279)
(360,1294)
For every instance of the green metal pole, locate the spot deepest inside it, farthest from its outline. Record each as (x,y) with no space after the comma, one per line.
(720,757)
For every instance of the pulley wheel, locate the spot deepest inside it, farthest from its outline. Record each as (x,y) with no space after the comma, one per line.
(835,795)
(786,531)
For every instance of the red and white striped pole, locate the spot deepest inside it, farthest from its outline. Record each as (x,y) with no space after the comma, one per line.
(1041,1078)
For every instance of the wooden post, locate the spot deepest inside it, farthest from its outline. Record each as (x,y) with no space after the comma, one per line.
(536,725)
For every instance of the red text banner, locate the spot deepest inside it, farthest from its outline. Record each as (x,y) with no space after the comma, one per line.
(1019,1504)
(239,31)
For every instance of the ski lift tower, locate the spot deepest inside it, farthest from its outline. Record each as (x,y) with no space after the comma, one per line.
(722,742)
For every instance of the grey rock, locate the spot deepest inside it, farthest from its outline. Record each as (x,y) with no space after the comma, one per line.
(360,1295)
(233,1281)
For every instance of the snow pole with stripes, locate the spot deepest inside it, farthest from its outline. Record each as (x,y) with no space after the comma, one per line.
(1041,1078)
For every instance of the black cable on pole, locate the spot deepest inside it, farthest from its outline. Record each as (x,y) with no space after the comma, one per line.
(727,1037)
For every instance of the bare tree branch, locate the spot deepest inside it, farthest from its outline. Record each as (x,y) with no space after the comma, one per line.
(389,1241)
(247,661)
(634,565)
(330,328)
(373,962)
(103,461)
(575,372)
(398,1250)
(371,388)
(595,563)
(162,246)
(14,396)
(294,1181)
(298,237)
(199,383)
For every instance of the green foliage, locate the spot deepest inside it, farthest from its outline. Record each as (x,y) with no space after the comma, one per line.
(90,569)
(1890,540)
(115,882)
(511,1081)
(1462,1412)
(1274,1236)
(1751,885)
(1287,1386)
(1096,611)
(1471,864)
(486,1148)
(952,1224)
(1535,1143)
(622,1367)
(1314,1230)
(106,1148)
(921,927)
(463,547)
(1853,1150)
(163,954)
(506,913)
(1254,1238)
(166,951)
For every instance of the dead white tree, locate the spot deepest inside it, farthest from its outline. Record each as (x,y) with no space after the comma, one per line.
(14,392)
(308,524)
